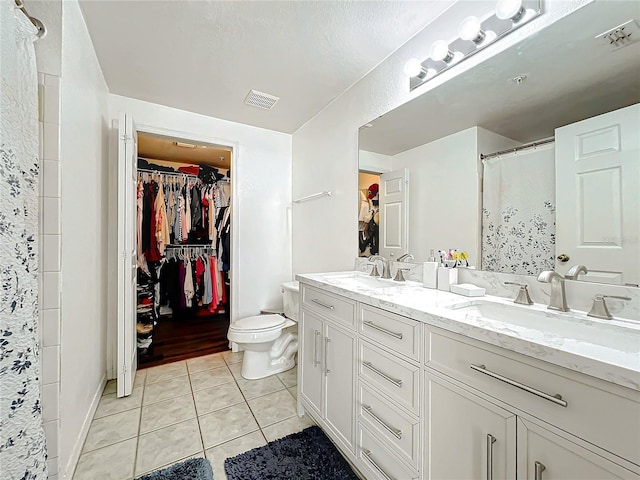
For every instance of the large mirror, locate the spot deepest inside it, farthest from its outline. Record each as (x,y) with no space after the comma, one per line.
(571,198)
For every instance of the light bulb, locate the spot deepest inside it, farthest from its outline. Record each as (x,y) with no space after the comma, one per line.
(471,29)
(509,10)
(440,51)
(413,68)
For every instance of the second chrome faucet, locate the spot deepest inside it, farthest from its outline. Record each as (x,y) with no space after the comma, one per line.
(558,300)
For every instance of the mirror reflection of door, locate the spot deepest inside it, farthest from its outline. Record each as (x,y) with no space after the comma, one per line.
(368,213)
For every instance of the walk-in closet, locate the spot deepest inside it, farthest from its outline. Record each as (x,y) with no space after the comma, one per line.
(183,249)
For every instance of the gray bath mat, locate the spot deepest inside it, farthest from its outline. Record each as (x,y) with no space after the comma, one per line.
(192,469)
(305,455)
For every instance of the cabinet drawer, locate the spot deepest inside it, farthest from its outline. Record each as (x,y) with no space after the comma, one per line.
(335,307)
(400,432)
(378,460)
(600,413)
(390,375)
(399,333)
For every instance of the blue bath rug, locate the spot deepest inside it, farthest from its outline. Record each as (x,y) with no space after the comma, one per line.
(308,454)
(192,469)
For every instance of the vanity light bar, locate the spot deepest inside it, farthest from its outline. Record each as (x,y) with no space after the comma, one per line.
(474,35)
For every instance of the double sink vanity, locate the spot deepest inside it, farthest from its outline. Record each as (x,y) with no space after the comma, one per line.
(415,383)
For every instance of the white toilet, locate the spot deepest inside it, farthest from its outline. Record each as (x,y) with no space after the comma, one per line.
(270,342)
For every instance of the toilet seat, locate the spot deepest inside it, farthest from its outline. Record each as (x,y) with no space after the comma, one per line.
(258,324)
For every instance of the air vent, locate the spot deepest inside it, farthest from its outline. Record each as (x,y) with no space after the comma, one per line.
(622,35)
(261,100)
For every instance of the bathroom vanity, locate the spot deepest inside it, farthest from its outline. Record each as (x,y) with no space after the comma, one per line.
(414,383)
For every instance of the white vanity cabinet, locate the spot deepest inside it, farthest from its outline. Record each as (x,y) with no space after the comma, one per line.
(327,352)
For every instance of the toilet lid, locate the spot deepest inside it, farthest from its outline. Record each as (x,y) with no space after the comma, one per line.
(259,322)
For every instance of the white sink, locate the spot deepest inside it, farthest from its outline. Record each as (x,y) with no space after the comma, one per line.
(620,335)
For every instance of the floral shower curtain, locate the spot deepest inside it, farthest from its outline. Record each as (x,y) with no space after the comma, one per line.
(22,440)
(518,210)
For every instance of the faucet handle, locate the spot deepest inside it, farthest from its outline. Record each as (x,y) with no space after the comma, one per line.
(374,269)
(599,308)
(399,275)
(523,297)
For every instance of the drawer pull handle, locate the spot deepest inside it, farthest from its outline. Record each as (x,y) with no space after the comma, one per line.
(322,304)
(327,340)
(539,468)
(396,381)
(383,330)
(316,362)
(557,398)
(396,432)
(367,454)
(490,441)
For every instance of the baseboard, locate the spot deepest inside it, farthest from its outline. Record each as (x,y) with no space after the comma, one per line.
(70,467)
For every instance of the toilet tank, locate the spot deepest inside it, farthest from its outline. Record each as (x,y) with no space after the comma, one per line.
(291,299)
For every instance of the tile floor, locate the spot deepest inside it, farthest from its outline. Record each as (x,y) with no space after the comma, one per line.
(193,408)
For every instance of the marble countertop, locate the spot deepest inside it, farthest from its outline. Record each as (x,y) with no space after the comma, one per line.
(603,359)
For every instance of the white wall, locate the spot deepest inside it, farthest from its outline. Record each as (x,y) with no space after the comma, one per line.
(261,183)
(84,148)
(374,162)
(325,149)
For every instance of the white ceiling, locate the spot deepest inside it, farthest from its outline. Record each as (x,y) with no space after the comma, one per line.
(570,76)
(205,56)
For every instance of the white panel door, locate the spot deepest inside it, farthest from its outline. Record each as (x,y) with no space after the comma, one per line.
(127,261)
(394,210)
(311,353)
(598,196)
(340,349)
(467,437)
(543,455)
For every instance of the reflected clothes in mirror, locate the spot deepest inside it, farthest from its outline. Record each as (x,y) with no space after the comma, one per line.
(518,224)
(368,224)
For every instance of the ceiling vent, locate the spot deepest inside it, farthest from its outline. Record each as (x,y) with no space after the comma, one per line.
(621,36)
(261,100)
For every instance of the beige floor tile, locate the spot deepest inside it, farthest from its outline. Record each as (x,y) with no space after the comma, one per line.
(196,455)
(166,372)
(114,462)
(290,377)
(218,397)
(110,403)
(226,424)
(257,388)
(141,376)
(167,445)
(236,370)
(112,429)
(174,387)
(219,454)
(287,427)
(206,362)
(293,391)
(110,387)
(210,378)
(232,358)
(167,412)
(273,408)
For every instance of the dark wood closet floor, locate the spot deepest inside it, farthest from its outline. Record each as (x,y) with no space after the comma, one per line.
(189,335)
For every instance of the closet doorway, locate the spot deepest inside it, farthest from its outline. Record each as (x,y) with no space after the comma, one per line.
(368,213)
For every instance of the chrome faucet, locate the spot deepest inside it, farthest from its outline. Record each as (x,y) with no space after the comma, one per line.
(558,300)
(523,297)
(385,265)
(400,270)
(574,271)
(599,308)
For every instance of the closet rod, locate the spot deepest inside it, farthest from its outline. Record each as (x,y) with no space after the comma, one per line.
(516,149)
(326,193)
(42,30)
(177,174)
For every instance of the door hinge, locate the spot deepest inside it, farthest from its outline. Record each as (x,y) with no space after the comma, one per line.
(126,137)
(124,369)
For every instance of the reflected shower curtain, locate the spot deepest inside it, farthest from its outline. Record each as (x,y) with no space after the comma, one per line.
(518,212)
(22,440)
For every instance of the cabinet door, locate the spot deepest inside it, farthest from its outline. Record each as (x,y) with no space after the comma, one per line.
(467,437)
(543,455)
(340,348)
(311,354)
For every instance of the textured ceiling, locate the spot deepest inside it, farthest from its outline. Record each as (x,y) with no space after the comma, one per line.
(570,76)
(205,56)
